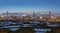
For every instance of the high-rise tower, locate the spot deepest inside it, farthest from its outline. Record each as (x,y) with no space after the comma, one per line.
(49,14)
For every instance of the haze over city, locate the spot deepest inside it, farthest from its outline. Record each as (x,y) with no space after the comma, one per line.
(29,5)
(29,16)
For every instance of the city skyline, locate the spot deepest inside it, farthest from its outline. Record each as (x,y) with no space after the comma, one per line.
(29,5)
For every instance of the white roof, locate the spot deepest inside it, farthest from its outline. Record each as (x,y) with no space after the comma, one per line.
(23,15)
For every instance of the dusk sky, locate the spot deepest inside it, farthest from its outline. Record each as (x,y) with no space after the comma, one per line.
(29,5)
